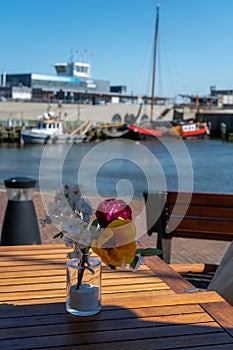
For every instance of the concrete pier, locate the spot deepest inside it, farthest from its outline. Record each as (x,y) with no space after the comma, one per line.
(23,111)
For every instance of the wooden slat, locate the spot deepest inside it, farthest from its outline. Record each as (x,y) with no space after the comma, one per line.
(203,235)
(31,257)
(60,276)
(203,225)
(141,287)
(226,346)
(129,279)
(28,263)
(221,312)
(173,279)
(28,315)
(141,344)
(193,268)
(46,265)
(43,248)
(7,277)
(37,300)
(205,212)
(161,299)
(127,299)
(201,198)
(172,342)
(46,284)
(202,210)
(64,327)
(183,335)
(56,295)
(35,267)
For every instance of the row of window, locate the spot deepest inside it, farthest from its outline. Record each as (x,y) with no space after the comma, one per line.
(57,84)
(81,69)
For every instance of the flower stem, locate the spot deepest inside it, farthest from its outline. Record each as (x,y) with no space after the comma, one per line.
(83,265)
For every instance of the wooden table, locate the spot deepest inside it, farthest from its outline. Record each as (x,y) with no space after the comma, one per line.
(149,309)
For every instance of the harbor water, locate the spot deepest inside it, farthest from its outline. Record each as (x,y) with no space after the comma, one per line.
(124,167)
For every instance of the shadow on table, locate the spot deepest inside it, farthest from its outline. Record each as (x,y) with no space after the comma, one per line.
(48,326)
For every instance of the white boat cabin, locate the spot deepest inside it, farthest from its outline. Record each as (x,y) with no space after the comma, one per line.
(49,127)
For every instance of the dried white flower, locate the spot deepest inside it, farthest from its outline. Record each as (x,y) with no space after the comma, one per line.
(85,239)
(76,254)
(68,242)
(72,226)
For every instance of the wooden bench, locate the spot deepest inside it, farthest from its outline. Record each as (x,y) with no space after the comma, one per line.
(188,215)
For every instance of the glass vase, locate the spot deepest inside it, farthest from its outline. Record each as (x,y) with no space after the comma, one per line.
(83,295)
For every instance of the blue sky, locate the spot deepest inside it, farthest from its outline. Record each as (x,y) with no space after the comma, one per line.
(195,47)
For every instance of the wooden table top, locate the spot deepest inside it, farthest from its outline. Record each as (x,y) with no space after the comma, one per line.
(149,309)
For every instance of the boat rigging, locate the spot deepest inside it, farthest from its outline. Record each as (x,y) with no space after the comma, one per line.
(154,62)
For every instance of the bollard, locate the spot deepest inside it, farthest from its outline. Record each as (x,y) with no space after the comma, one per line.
(20,225)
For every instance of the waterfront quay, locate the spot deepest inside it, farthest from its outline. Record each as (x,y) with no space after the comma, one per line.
(15,115)
(184,250)
(29,111)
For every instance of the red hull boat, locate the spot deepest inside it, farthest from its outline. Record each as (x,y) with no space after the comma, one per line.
(145,132)
(193,130)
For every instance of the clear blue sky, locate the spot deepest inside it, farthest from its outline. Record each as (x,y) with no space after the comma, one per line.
(195,47)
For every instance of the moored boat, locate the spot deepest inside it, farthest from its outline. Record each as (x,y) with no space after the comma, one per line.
(43,132)
(190,130)
(139,132)
(49,130)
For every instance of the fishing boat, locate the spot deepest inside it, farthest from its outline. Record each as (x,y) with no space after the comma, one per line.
(49,130)
(190,130)
(143,132)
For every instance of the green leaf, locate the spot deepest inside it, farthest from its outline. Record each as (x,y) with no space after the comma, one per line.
(139,250)
(149,251)
(95,223)
(134,262)
(58,235)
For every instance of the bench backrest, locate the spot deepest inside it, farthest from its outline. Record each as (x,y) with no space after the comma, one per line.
(200,215)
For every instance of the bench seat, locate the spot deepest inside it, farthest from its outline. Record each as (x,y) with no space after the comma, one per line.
(189,215)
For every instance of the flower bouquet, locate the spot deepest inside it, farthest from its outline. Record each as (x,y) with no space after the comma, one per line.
(110,234)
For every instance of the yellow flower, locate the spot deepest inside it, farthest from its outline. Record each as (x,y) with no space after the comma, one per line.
(116,244)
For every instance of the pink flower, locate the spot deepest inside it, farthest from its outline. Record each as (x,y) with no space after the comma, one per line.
(112,209)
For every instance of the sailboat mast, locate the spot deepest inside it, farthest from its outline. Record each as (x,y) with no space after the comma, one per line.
(154,62)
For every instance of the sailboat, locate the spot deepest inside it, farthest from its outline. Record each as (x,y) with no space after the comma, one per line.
(153,128)
(160,127)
